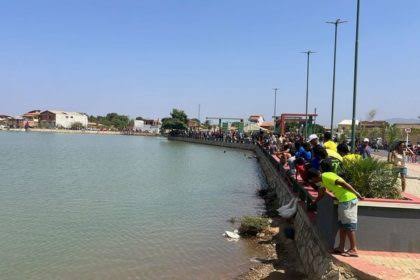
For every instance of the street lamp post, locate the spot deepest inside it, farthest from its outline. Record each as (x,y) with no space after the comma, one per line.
(356,53)
(308,53)
(336,23)
(275,107)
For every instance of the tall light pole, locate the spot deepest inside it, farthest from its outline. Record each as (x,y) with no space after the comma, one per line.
(356,54)
(308,53)
(336,23)
(275,107)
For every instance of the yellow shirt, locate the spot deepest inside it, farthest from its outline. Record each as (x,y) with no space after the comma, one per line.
(352,157)
(334,154)
(329,180)
(330,145)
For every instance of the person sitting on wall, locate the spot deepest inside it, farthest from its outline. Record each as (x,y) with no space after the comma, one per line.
(314,141)
(347,198)
(303,152)
(318,153)
(344,151)
(329,144)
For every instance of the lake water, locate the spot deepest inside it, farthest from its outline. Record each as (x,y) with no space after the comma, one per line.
(121,207)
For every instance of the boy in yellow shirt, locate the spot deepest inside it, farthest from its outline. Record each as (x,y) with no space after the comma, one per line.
(347,198)
(329,144)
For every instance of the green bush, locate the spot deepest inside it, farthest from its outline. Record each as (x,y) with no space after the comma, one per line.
(76,126)
(252,225)
(371,177)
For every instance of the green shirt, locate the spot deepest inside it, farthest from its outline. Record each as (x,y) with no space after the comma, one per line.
(329,180)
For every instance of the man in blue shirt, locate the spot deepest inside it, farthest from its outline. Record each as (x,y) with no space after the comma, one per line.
(304,152)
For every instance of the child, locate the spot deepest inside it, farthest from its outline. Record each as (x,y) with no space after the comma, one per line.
(347,206)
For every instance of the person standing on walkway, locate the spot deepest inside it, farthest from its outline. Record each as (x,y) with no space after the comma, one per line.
(398,159)
(365,150)
(347,198)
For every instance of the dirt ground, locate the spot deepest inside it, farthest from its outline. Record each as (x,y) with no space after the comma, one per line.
(281,260)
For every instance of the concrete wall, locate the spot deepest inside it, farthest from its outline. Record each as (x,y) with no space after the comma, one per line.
(382,226)
(250,147)
(313,254)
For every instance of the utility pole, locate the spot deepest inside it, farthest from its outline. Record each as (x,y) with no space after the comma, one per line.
(356,54)
(336,23)
(308,53)
(275,107)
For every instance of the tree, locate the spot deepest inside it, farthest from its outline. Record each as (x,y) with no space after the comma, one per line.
(180,115)
(392,134)
(177,121)
(92,119)
(120,122)
(173,124)
(77,126)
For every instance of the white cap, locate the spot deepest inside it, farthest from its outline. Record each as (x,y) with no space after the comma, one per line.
(312,137)
(366,140)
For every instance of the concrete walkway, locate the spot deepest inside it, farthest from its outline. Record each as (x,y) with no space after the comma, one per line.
(383,265)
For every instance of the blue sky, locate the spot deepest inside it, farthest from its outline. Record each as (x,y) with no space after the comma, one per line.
(143,58)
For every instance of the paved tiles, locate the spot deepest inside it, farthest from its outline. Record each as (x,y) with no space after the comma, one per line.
(385,265)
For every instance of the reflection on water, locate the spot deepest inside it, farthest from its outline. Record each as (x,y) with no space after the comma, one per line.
(108,207)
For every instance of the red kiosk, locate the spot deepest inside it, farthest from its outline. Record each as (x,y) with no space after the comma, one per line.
(293,117)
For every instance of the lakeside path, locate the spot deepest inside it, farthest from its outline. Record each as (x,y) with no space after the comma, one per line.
(413,177)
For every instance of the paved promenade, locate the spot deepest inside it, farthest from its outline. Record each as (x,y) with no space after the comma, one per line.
(384,265)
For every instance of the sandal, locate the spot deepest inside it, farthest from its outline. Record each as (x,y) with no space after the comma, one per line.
(351,253)
(337,251)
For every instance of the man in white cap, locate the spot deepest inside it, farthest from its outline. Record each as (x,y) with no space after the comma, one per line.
(313,139)
(365,150)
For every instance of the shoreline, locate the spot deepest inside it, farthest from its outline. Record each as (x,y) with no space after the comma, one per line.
(281,259)
(69,131)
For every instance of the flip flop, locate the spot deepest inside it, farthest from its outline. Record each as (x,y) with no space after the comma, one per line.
(352,254)
(337,251)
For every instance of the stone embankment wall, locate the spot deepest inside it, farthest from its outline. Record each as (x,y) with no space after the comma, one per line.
(316,260)
(250,147)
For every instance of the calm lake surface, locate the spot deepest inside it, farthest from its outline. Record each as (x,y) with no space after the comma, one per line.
(121,207)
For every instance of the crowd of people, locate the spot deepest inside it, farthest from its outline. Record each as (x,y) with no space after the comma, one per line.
(316,161)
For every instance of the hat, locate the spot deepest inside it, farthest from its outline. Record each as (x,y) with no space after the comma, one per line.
(366,140)
(312,137)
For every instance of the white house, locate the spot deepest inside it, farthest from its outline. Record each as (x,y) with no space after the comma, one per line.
(62,119)
(345,125)
(257,119)
(150,126)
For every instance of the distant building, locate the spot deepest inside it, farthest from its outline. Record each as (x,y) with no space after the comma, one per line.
(193,124)
(31,118)
(345,126)
(408,125)
(267,125)
(257,119)
(7,121)
(414,128)
(151,126)
(372,124)
(61,119)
